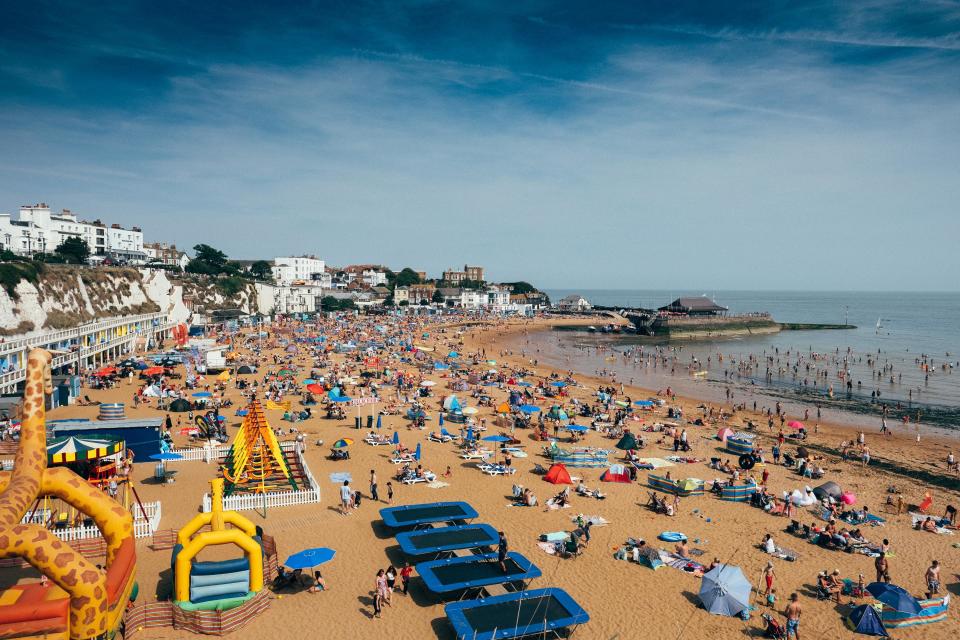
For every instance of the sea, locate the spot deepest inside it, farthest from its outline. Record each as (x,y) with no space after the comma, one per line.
(903,354)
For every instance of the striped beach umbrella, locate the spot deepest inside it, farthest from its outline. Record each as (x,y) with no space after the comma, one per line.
(73,448)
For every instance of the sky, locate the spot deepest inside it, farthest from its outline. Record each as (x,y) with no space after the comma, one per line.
(718,145)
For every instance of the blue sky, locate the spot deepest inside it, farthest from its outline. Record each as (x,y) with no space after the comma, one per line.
(768,145)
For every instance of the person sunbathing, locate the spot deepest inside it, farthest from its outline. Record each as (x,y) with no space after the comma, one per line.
(681,549)
(929,525)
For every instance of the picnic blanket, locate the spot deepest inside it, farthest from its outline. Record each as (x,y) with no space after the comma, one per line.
(920,517)
(654,463)
(596,521)
(679,562)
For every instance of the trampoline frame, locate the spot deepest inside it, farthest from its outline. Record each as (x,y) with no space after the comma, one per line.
(477,588)
(405,540)
(462,628)
(389,514)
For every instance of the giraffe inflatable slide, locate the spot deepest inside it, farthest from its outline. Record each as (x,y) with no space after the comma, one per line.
(77,600)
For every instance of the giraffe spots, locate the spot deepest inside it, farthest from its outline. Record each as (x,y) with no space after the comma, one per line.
(70,578)
(64,559)
(4,541)
(90,616)
(90,576)
(98,593)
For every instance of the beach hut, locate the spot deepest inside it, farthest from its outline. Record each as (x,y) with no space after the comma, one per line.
(616,473)
(866,621)
(558,474)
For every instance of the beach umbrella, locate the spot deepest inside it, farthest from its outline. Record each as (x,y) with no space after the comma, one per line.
(416,454)
(689,484)
(469,435)
(725,590)
(895,597)
(643,403)
(503,408)
(427,383)
(866,621)
(180,406)
(309,558)
(314,388)
(848,498)
(441,419)
(579,428)
(285,372)
(453,354)
(342,443)
(379,421)
(339,398)
(558,384)
(802,452)
(439,366)
(523,383)
(627,442)
(828,490)
(202,394)
(308,381)
(153,371)
(396,438)
(795,424)
(244,370)
(140,366)
(451,403)
(497,438)
(529,408)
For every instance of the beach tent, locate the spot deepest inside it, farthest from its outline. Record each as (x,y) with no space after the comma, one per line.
(558,474)
(616,473)
(828,490)
(725,591)
(897,598)
(650,557)
(244,370)
(802,452)
(151,391)
(724,433)
(627,442)
(180,406)
(451,403)
(865,620)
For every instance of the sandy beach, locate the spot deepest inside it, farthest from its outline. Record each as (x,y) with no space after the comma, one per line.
(624,599)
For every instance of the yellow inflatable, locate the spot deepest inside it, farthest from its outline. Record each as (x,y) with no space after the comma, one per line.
(217,585)
(85,601)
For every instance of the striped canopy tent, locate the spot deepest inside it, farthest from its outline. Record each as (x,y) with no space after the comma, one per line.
(73,448)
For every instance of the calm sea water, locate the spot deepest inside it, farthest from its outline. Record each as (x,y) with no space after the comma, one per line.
(917,345)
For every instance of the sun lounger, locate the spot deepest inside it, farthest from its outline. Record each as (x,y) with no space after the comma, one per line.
(497,469)
(405,459)
(428,476)
(375,441)
(476,455)
(439,437)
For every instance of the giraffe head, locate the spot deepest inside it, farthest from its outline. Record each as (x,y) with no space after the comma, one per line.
(38,369)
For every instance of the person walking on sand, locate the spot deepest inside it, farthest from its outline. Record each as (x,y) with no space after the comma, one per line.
(378,592)
(933,579)
(373,486)
(792,614)
(768,577)
(346,498)
(882,565)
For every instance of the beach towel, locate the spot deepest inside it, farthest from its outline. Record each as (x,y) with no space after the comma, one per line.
(339,476)
(553,507)
(555,536)
(547,547)
(655,463)
(438,484)
(920,517)
(679,562)
(596,521)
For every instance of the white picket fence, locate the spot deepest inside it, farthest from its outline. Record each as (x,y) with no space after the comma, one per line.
(272,498)
(212,454)
(142,527)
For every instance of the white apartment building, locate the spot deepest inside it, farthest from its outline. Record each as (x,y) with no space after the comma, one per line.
(299,268)
(38,230)
(374,278)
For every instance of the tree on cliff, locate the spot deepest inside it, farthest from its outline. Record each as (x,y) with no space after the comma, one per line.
(209,261)
(406,278)
(261,270)
(73,250)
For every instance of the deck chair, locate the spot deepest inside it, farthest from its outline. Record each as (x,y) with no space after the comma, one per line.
(926,504)
(539,469)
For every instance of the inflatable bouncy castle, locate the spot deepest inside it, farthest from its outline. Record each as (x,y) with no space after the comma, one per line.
(77,600)
(216,585)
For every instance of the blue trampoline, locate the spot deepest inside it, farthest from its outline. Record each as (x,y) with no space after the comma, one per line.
(538,612)
(471,574)
(412,515)
(446,539)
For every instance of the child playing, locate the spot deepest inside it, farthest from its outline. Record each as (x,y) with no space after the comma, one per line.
(772,597)
(389,492)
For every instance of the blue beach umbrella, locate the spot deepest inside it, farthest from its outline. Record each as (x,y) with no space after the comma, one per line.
(725,591)
(340,399)
(579,428)
(496,438)
(439,366)
(453,354)
(558,384)
(416,454)
(308,381)
(469,435)
(529,408)
(524,383)
(242,412)
(441,419)
(396,438)
(894,597)
(201,394)
(379,421)
(309,558)
(643,403)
